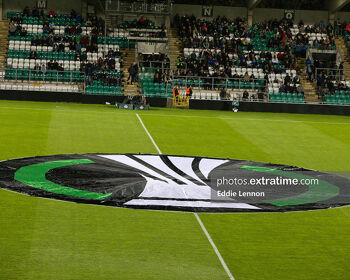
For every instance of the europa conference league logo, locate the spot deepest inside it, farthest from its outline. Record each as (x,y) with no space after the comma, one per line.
(184,183)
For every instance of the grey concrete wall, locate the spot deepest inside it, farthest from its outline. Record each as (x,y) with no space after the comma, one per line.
(260,14)
(343,16)
(308,16)
(59,6)
(196,10)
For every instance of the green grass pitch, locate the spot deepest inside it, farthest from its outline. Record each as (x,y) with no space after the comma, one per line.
(49,239)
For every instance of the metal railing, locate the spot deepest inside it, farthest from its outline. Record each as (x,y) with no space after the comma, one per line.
(36,75)
(229,94)
(209,88)
(217,83)
(31,76)
(140,34)
(138,7)
(335,74)
(164,66)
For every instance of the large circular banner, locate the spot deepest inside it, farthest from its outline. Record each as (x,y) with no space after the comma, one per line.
(167,182)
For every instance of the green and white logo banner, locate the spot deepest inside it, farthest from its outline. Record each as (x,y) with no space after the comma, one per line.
(170,182)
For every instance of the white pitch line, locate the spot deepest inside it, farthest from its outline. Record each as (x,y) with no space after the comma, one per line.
(214,247)
(171,115)
(240,119)
(221,259)
(149,135)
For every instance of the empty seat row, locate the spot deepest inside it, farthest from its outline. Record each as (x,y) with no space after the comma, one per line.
(103,90)
(43,87)
(54,76)
(337,99)
(286,97)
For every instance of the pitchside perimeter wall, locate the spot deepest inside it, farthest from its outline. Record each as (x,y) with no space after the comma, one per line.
(162,102)
(271,107)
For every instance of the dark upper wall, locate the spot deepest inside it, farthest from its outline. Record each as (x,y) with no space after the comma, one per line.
(260,14)
(196,10)
(59,6)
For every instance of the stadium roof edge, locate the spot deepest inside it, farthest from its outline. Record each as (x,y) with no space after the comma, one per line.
(337,5)
(253,4)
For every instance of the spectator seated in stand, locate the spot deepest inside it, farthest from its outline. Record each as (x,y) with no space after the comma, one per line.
(223,49)
(61,48)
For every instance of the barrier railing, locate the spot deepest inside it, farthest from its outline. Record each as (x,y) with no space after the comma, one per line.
(164,66)
(153,35)
(37,75)
(181,101)
(206,87)
(217,83)
(87,86)
(138,7)
(335,74)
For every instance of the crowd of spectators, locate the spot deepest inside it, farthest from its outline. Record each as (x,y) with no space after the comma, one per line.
(302,38)
(217,79)
(103,69)
(52,65)
(80,44)
(40,13)
(196,33)
(48,22)
(96,24)
(231,38)
(340,28)
(329,83)
(328,75)
(161,76)
(107,78)
(346,34)
(291,84)
(104,64)
(328,67)
(59,42)
(326,85)
(219,63)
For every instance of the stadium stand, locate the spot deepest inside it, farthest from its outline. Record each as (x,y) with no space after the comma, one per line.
(154,75)
(252,58)
(139,30)
(63,48)
(267,61)
(332,81)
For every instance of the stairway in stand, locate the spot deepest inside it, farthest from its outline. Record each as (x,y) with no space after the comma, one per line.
(4,42)
(341,46)
(174,47)
(128,60)
(310,95)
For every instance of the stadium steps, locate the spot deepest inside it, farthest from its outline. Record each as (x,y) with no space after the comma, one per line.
(310,95)
(341,46)
(128,60)
(4,42)
(175,47)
